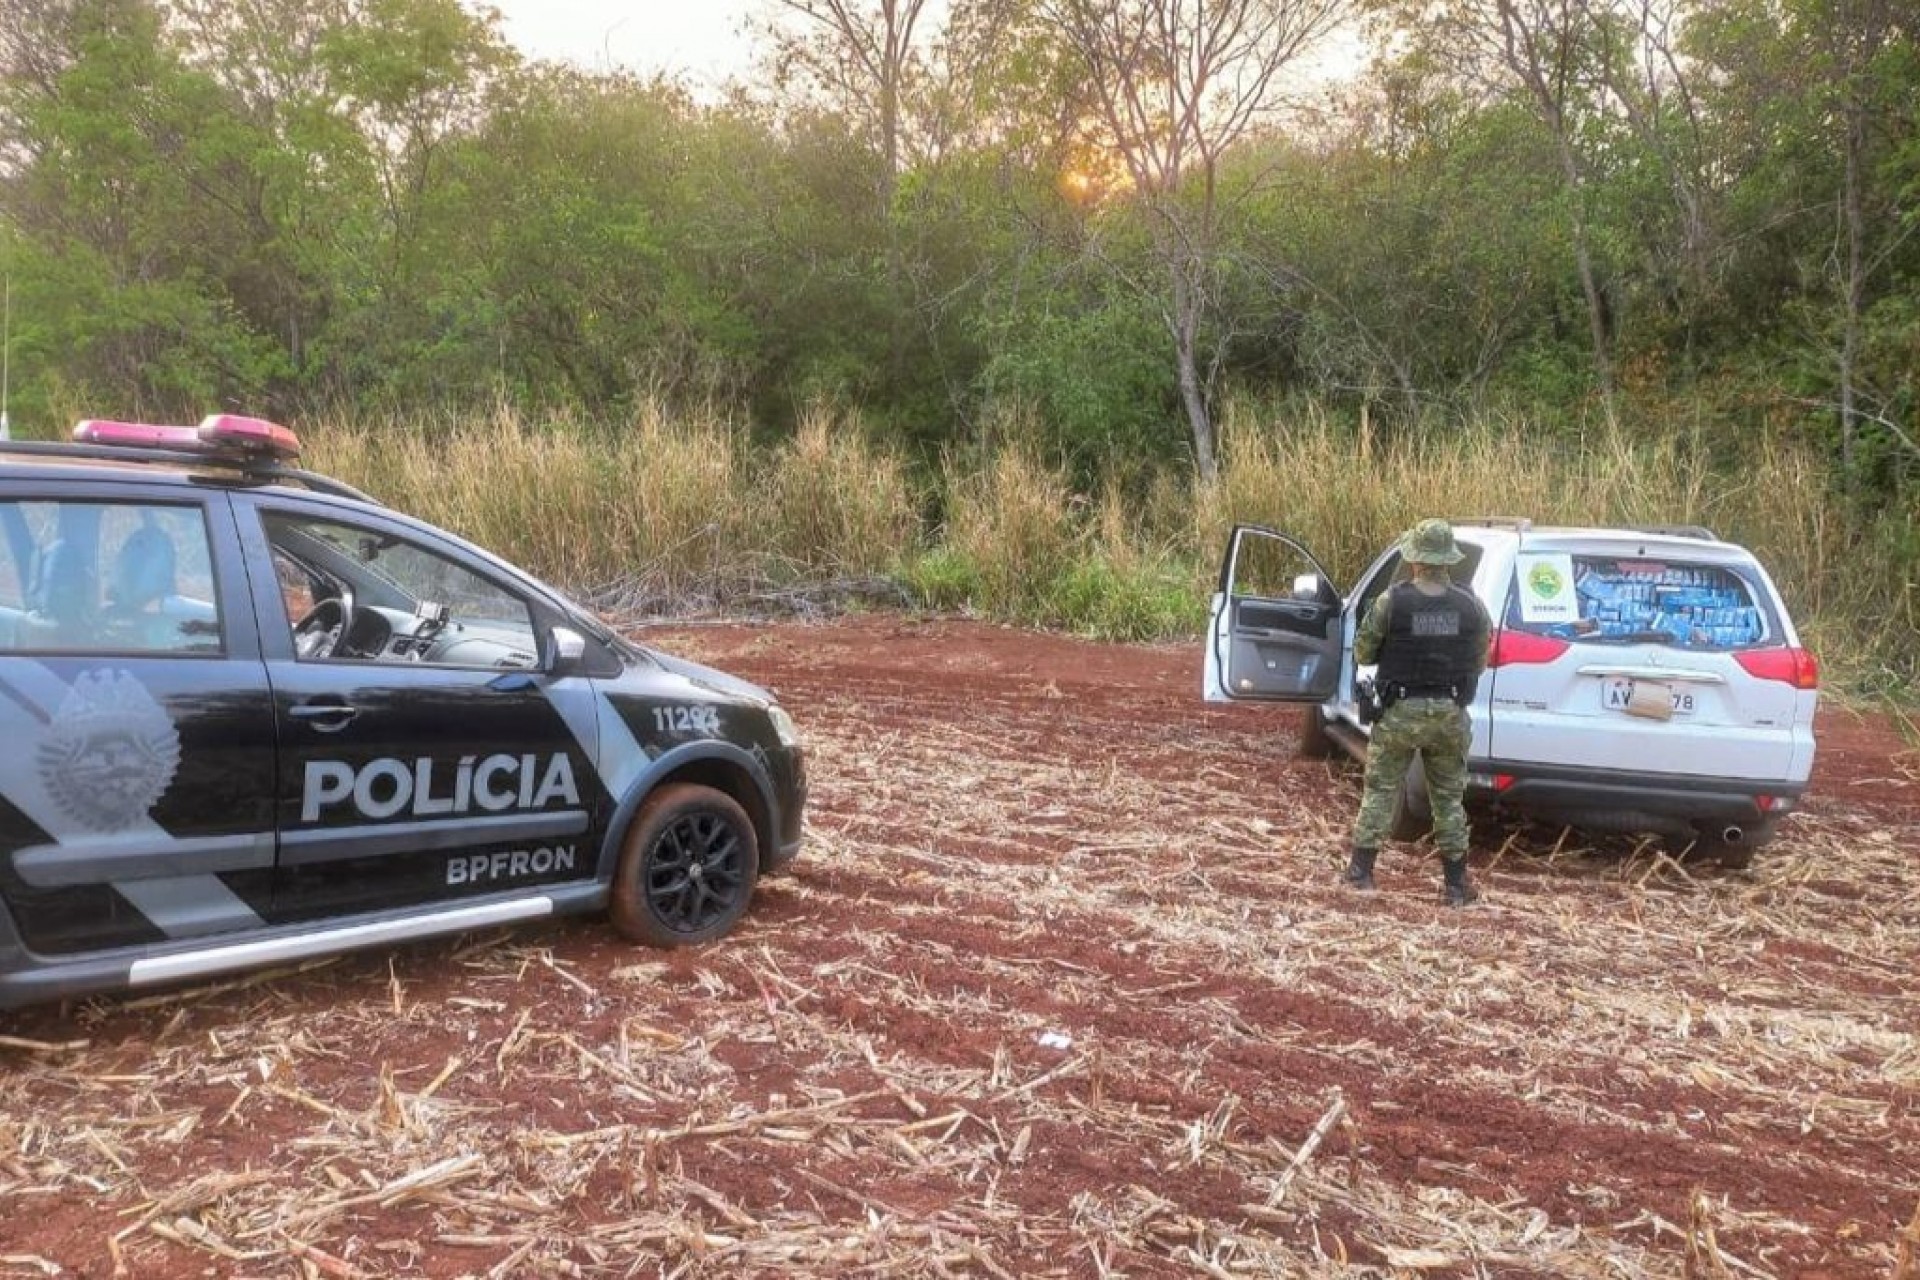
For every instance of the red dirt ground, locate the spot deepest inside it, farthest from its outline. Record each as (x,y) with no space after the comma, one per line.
(1014,836)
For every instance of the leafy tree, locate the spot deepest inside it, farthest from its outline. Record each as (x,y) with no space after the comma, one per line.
(1819,101)
(1418,253)
(124,159)
(1177,84)
(1551,55)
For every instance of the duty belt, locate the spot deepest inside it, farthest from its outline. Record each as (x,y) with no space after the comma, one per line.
(1402,692)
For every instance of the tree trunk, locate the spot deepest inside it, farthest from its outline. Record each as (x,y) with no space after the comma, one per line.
(1186,341)
(1583,261)
(1854,288)
(890,189)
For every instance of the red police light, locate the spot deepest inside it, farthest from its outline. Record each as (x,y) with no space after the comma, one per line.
(136,435)
(231,433)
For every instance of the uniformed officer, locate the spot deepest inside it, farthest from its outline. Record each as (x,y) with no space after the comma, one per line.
(1430,640)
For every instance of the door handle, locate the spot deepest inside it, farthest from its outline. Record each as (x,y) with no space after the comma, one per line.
(326,717)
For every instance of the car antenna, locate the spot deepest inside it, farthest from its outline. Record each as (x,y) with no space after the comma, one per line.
(6,353)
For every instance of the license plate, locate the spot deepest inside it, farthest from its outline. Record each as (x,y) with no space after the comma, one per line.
(1618,695)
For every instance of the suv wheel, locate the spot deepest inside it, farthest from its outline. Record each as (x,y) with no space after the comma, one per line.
(687,867)
(1412,811)
(1315,742)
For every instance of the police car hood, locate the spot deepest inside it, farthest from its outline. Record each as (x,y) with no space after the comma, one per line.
(710,680)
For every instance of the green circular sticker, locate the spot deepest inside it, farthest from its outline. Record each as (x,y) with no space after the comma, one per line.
(1544,580)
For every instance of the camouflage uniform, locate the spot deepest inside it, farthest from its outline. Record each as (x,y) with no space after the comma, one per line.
(1435,727)
(1438,730)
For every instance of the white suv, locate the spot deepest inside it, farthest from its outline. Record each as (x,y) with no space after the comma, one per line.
(1641,680)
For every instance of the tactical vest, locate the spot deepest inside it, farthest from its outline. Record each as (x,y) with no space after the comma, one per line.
(1433,643)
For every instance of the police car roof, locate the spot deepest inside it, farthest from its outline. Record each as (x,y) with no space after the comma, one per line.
(48,461)
(76,462)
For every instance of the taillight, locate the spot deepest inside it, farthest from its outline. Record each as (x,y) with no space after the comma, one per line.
(1790,666)
(1512,648)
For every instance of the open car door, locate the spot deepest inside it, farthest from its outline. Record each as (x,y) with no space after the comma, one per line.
(1273,634)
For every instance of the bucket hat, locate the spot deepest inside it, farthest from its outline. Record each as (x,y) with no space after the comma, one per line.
(1430,542)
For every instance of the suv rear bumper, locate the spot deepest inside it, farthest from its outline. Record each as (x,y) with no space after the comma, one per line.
(1613,800)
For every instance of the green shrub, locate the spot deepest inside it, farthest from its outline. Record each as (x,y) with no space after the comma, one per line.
(1141,601)
(942,579)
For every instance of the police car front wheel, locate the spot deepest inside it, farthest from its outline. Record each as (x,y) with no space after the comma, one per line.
(687,867)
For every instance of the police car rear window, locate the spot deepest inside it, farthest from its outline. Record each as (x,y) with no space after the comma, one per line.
(1602,599)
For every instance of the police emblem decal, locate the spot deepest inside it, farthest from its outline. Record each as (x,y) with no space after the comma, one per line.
(1545,581)
(110,752)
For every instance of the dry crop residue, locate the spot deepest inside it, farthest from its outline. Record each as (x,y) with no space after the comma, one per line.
(1062,985)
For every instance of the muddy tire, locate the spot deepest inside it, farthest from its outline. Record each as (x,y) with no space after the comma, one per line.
(1315,742)
(1412,811)
(687,867)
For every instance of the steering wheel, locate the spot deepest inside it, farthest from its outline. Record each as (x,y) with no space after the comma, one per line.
(318,635)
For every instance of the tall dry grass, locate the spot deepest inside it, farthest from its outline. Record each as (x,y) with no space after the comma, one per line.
(677,505)
(1015,521)
(835,503)
(686,507)
(1350,492)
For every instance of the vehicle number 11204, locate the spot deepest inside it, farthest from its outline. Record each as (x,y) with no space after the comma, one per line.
(687,719)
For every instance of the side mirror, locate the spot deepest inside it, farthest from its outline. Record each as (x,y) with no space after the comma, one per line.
(565,648)
(1309,586)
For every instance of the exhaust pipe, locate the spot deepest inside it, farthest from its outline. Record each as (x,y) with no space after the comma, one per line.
(1732,835)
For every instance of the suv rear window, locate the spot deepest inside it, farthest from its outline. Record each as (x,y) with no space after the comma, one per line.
(1684,605)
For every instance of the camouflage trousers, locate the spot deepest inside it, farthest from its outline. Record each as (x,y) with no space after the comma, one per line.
(1437,730)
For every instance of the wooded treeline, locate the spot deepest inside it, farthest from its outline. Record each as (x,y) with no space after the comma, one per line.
(1086,221)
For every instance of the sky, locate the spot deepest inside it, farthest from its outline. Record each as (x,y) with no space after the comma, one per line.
(698,39)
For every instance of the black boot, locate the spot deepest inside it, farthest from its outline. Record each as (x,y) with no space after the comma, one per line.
(1359,872)
(1459,892)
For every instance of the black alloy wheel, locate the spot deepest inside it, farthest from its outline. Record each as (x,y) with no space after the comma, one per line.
(687,868)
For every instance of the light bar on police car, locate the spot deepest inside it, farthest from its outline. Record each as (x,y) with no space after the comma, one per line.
(224,434)
(229,432)
(137,435)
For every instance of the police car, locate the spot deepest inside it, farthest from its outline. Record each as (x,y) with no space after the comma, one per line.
(1640,680)
(252,716)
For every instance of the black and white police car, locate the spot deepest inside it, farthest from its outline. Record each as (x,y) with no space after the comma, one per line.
(250,715)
